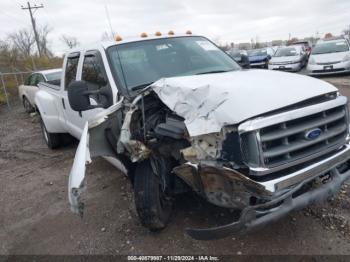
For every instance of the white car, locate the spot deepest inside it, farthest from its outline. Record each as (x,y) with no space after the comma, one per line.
(28,90)
(330,57)
(289,58)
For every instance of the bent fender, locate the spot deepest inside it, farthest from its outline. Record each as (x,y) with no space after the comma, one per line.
(77,174)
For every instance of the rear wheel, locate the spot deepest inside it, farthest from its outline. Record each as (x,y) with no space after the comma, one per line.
(52,140)
(27,106)
(153,204)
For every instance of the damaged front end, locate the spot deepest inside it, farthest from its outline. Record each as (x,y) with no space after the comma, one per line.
(231,165)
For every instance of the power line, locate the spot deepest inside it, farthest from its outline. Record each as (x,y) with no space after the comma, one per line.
(30,8)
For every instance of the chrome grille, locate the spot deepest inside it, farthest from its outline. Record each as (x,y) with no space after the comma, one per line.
(286,142)
(281,139)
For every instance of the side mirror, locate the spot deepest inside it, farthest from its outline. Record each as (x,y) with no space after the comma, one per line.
(79,96)
(268,57)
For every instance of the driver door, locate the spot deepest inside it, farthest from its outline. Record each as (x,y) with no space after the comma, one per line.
(94,74)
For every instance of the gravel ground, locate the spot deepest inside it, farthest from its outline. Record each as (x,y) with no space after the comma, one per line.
(35,216)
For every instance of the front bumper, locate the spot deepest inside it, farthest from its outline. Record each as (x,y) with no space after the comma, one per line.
(277,204)
(286,67)
(342,67)
(260,215)
(258,64)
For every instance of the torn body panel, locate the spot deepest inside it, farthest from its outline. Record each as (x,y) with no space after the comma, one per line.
(222,186)
(210,102)
(77,173)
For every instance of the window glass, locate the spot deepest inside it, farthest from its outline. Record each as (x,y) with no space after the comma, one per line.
(326,47)
(27,82)
(93,71)
(257,52)
(32,81)
(141,63)
(71,69)
(54,76)
(94,74)
(39,78)
(287,51)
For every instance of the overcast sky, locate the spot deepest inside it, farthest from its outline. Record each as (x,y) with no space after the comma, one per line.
(221,20)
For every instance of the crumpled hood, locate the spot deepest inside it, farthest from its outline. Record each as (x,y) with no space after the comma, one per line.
(285,59)
(327,58)
(209,102)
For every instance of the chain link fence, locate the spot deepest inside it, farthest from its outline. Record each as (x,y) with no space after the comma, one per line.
(9,83)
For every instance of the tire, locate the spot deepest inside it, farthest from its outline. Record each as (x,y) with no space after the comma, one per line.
(152,204)
(52,140)
(27,106)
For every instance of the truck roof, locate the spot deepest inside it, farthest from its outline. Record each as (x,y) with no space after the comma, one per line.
(106,44)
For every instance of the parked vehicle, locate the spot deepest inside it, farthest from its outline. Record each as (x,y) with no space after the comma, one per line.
(28,90)
(330,56)
(291,58)
(305,44)
(259,58)
(240,56)
(181,115)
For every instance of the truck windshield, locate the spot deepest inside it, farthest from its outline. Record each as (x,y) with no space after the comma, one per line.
(138,64)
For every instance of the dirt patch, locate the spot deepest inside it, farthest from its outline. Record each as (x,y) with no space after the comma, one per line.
(35,216)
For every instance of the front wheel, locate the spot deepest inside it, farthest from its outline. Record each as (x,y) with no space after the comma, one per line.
(27,106)
(52,140)
(153,205)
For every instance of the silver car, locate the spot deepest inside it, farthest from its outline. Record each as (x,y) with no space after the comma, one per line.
(330,57)
(290,58)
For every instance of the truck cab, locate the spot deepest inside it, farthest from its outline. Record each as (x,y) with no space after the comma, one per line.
(180,114)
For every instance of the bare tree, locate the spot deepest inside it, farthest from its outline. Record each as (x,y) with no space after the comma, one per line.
(43,40)
(70,41)
(23,40)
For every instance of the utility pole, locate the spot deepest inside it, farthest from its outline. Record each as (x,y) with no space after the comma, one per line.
(30,8)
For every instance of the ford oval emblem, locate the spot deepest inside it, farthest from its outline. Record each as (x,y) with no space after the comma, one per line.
(313,134)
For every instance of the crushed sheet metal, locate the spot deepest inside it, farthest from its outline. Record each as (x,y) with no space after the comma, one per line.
(209,102)
(103,115)
(138,151)
(77,173)
(221,186)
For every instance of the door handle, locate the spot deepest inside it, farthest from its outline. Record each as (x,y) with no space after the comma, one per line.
(63,104)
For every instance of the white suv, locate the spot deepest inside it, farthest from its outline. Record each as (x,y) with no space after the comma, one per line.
(330,57)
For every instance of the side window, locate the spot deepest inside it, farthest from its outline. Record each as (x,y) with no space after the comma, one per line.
(39,78)
(93,71)
(32,81)
(94,74)
(71,69)
(27,82)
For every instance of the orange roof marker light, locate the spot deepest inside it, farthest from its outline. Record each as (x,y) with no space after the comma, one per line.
(144,35)
(188,32)
(171,32)
(158,33)
(118,38)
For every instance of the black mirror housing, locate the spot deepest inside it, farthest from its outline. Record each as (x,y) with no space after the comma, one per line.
(79,96)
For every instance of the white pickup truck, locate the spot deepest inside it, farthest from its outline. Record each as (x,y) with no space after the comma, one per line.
(180,114)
